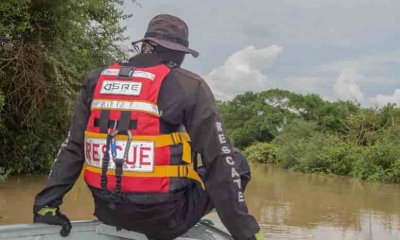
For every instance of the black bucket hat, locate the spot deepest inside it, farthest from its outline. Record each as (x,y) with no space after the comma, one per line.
(170,32)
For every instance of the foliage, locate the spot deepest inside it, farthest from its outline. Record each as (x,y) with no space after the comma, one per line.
(256,117)
(46,46)
(262,152)
(380,162)
(302,147)
(1,108)
(308,134)
(4,174)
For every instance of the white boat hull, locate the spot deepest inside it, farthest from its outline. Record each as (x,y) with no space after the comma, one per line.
(96,230)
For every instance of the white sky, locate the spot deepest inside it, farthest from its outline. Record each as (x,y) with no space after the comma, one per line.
(347,49)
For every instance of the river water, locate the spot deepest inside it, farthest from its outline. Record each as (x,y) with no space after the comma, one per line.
(288,205)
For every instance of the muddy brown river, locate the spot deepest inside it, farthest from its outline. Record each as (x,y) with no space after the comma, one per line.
(288,205)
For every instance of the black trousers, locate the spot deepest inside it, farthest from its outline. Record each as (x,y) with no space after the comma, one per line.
(168,220)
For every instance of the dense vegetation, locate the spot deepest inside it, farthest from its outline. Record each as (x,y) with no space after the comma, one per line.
(308,134)
(46,46)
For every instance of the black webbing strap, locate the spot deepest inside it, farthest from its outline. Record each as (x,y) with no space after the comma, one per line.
(124,121)
(102,123)
(172,64)
(119,165)
(126,72)
(113,123)
(104,167)
(119,168)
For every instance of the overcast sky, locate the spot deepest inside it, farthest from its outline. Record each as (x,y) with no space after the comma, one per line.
(340,49)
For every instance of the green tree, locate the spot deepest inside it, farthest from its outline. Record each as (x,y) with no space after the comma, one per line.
(308,134)
(46,46)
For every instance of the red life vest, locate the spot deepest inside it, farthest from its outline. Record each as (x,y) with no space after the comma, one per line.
(125,98)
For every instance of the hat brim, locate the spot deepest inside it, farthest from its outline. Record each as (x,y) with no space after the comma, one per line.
(169,45)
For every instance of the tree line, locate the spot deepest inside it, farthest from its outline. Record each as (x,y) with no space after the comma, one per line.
(308,134)
(46,47)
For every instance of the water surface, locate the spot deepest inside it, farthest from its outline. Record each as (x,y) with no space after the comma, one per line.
(288,205)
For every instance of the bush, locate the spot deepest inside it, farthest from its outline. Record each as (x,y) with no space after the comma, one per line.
(1,109)
(262,153)
(393,174)
(378,163)
(3,174)
(32,151)
(341,157)
(290,143)
(302,147)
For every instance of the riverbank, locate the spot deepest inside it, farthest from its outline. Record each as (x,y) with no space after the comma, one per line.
(329,155)
(309,134)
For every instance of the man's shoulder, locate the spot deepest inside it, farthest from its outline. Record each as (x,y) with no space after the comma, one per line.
(92,76)
(186,75)
(95,73)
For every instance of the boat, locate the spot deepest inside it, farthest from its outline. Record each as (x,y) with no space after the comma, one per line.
(88,230)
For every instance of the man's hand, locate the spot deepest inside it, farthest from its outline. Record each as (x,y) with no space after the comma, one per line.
(53,216)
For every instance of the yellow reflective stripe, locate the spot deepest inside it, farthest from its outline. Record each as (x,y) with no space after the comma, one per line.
(159,171)
(186,171)
(159,140)
(192,174)
(176,137)
(186,153)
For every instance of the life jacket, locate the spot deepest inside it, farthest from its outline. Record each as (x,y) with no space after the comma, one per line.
(125,106)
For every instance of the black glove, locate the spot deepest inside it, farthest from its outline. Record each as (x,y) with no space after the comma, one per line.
(53,216)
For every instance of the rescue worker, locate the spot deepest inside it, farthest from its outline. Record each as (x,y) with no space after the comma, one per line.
(161,115)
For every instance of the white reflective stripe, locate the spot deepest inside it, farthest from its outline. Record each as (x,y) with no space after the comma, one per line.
(110,72)
(125,105)
(136,73)
(141,74)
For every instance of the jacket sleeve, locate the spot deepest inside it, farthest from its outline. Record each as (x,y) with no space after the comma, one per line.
(70,158)
(222,181)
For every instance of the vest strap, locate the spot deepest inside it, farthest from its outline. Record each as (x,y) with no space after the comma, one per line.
(124,120)
(114,124)
(186,171)
(103,120)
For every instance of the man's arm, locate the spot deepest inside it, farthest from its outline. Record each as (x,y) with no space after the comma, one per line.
(68,164)
(223,185)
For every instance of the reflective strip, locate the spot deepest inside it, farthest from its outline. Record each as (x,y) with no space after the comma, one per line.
(136,73)
(142,74)
(124,105)
(186,171)
(159,140)
(110,72)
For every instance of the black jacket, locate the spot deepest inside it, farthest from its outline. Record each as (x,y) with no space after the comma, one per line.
(184,99)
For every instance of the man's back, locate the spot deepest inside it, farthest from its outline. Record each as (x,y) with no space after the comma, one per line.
(185,103)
